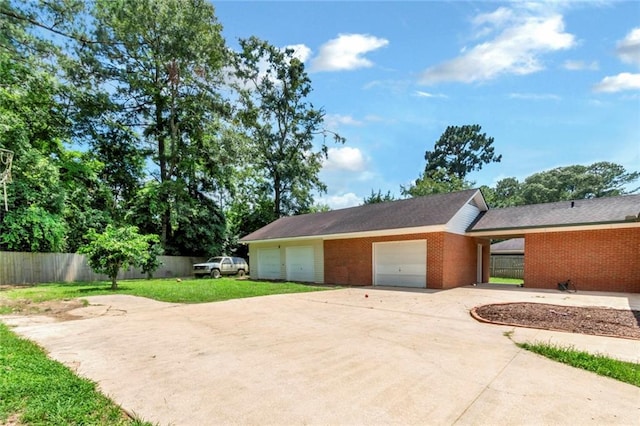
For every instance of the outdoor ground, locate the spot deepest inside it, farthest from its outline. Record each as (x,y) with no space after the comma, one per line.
(594,320)
(348,356)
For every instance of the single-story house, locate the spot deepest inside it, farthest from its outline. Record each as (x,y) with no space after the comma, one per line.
(595,242)
(443,241)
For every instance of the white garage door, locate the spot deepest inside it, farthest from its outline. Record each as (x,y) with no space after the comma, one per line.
(300,264)
(269,264)
(401,264)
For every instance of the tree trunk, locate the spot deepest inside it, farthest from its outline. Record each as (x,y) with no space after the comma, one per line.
(276,198)
(114,284)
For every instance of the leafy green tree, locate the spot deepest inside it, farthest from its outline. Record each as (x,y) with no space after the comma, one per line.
(32,229)
(119,248)
(601,179)
(378,197)
(438,181)
(157,69)
(459,151)
(274,87)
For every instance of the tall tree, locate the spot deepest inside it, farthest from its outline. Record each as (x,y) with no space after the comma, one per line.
(274,87)
(378,197)
(157,67)
(438,181)
(601,179)
(459,151)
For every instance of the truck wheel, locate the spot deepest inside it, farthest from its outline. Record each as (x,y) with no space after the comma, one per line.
(215,273)
(241,273)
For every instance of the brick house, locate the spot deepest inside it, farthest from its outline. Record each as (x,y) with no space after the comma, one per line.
(442,241)
(595,242)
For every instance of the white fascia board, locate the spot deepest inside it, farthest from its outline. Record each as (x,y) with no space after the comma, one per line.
(568,228)
(364,234)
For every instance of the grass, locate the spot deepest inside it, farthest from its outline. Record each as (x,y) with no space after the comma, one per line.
(35,390)
(623,371)
(498,280)
(166,290)
(38,391)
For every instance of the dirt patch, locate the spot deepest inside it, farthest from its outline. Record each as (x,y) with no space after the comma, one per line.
(58,309)
(585,320)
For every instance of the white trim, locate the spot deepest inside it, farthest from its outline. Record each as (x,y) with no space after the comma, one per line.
(479,265)
(364,234)
(522,231)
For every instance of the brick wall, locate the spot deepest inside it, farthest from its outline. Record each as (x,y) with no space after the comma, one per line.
(460,260)
(451,259)
(598,260)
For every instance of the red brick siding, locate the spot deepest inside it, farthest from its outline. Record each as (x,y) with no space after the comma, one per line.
(461,254)
(598,260)
(349,261)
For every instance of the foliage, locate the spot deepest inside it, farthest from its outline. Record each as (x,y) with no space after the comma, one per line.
(37,390)
(32,229)
(459,151)
(378,197)
(119,248)
(165,59)
(151,262)
(438,181)
(601,179)
(166,290)
(627,372)
(273,87)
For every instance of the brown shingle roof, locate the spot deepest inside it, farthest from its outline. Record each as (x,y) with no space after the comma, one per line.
(414,212)
(513,245)
(563,213)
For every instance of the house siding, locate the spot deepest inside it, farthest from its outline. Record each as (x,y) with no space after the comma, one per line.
(460,260)
(596,260)
(463,218)
(318,256)
(350,261)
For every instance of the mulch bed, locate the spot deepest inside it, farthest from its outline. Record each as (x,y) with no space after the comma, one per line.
(597,321)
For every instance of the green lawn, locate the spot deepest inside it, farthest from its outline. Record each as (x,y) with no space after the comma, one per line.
(627,372)
(167,290)
(498,280)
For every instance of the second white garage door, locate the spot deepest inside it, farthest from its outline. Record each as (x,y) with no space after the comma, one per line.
(300,265)
(401,264)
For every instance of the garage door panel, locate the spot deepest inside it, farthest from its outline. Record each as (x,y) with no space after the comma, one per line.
(269,264)
(400,264)
(300,264)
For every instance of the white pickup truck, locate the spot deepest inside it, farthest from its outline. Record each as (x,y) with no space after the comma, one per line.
(221,265)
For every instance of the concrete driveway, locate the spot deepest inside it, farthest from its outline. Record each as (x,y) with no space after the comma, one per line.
(338,357)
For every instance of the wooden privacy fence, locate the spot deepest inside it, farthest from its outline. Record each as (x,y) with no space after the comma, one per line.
(505,266)
(33,268)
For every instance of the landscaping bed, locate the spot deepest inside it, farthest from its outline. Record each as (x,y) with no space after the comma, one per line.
(574,319)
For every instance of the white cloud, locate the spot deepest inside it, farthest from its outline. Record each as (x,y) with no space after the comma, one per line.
(300,51)
(535,96)
(421,94)
(341,201)
(332,121)
(628,49)
(580,65)
(347,158)
(346,52)
(520,39)
(618,83)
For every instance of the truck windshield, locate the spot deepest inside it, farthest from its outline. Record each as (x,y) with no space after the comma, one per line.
(214,260)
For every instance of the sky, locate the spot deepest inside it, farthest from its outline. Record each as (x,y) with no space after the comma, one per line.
(554,83)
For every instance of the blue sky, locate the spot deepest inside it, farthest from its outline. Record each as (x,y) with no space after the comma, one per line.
(555,83)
